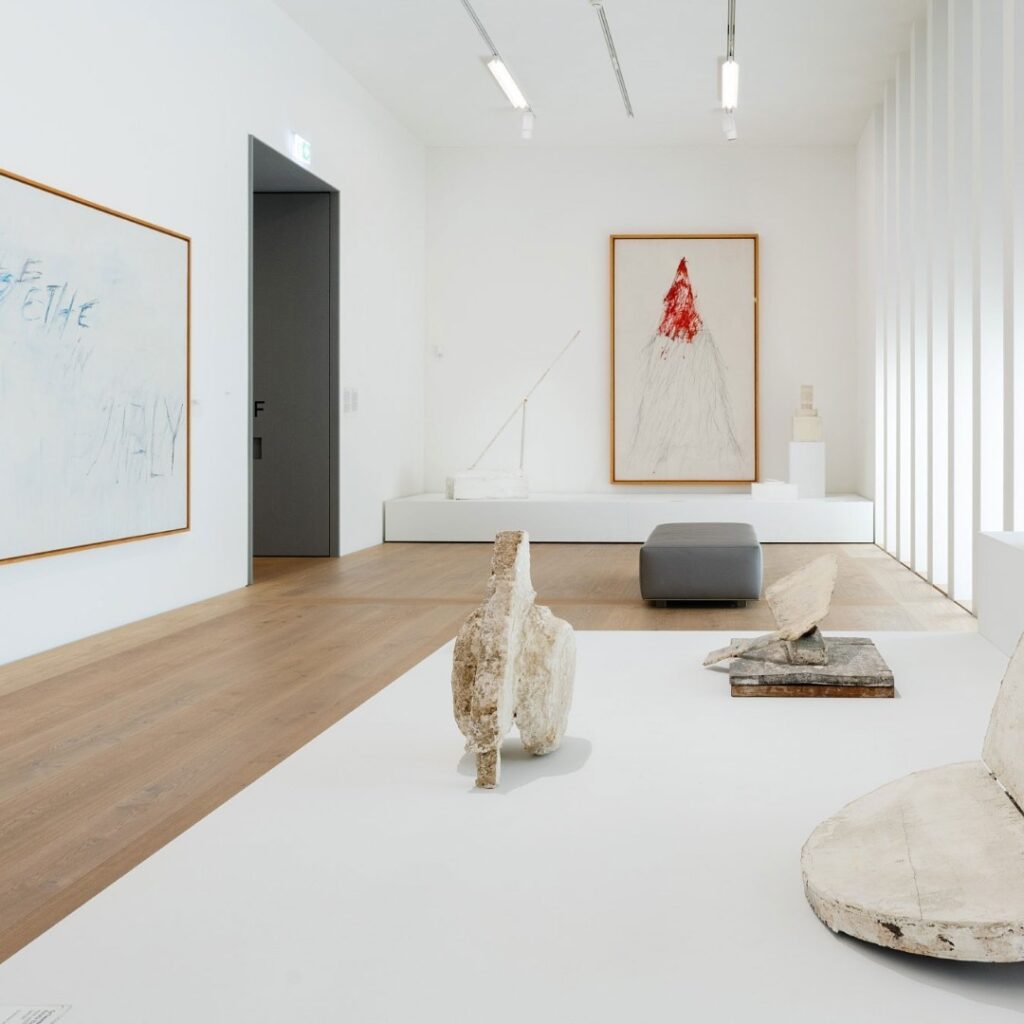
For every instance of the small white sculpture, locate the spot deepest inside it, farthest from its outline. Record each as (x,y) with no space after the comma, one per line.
(806,421)
(514,661)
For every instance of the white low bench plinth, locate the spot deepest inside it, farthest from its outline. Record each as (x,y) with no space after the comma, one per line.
(626,518)
(929,864)
(934,862)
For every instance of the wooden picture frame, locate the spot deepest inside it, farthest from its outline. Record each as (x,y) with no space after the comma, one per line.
(92,363)
(675,388)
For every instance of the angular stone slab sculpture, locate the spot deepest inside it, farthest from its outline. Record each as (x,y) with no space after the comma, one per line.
(798,601)
(934,863)
(514,662)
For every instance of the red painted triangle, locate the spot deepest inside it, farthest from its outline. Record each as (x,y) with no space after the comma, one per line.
(680,319)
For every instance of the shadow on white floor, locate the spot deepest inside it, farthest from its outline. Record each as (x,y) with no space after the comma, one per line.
(999,985)
(518,768)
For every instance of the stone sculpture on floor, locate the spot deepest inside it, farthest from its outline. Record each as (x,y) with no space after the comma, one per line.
(931,864)
(796,660)
(514,662)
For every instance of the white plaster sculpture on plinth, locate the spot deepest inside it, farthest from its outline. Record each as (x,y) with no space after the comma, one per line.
(807,448)
(514,662)
(501,483)
(806,421)
(931,864)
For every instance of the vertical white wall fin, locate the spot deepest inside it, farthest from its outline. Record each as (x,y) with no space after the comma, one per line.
(921,359)
(905,277)
(951,183)
(948,287)
(987,264)
(892,492)
(938,284)
(961,168)
(877,255)
(867,337)
(1013,298)
(1006,38)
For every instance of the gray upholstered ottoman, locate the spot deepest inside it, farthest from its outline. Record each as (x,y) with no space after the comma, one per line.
(701,562)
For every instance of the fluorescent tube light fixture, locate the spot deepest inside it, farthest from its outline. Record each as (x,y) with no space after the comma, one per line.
(730,84)
(499,69)
(504,78)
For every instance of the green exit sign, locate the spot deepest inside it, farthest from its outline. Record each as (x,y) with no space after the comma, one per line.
(302,150)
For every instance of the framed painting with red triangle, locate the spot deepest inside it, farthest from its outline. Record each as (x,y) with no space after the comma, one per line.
(684,358)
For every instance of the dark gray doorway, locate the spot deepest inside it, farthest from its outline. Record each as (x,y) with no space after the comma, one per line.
(293,337)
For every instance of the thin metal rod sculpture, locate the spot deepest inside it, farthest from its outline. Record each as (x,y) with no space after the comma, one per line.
(521,406)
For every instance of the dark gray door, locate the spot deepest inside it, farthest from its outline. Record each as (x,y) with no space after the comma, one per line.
(291,373)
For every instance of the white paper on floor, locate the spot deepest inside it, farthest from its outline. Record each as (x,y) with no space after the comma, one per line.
(648,870)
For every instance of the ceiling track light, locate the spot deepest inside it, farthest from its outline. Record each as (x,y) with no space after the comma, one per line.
(499,69)
(504,78)
(613,54)
(729,77)
(730,70)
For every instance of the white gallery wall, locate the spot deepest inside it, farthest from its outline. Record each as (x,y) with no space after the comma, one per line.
(941,281)
(517,260)
(146,107)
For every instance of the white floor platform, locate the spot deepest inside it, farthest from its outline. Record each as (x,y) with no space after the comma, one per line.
(999,588)
(627,518)
(648,871)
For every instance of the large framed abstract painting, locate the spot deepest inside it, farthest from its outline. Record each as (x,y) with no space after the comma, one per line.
(684,358)
(94,374)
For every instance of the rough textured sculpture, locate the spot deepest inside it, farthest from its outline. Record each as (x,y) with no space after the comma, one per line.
(931,863)
(798,601)
(514,661)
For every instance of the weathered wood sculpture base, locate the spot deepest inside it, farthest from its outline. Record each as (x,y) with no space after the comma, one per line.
(931,863)
(514,661)
(848,667)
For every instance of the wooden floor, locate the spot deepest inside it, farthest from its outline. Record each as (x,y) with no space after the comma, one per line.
(114,745)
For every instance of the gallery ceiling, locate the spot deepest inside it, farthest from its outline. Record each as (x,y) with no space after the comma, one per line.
(810,70)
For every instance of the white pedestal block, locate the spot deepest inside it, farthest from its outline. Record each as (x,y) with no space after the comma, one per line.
(999,588)
(807,468)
